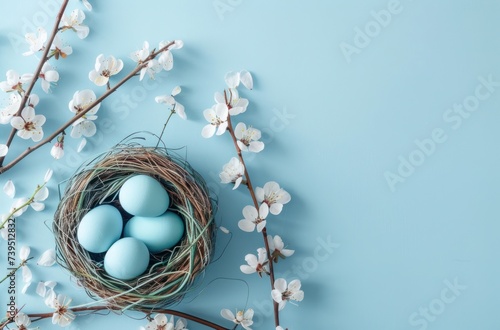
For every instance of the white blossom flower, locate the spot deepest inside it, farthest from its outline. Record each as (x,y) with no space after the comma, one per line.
(87,5)
(234,78)
(283,293)
(233,172)
(84,125)
(166,59)
(105,68)
(277,248)
(25,270)
(243,318)
(22,321)
(273,195)
(256,264)
(254,218)
(36,41)
(29,125)
(235,103)
(170,100)
(60,50)
(48,76)
(140,56)
(217,117)
(62,316)
(161,322)
(9,189)
(279,327)
(10,110)
(4,149)
(57,150)
(248,138)
(47,259)
(14,82)
(74,22)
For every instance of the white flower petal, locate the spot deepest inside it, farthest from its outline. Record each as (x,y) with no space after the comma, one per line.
(246,225)
(232,79)
(37,206)
(24,253)
(208,131)
(3,150)
(41,290)
(82,144)
(280,285)
(47,259)
(42,194)
(176,90)
(27,275)
(246,79)
(227,314)
(277,295)
(224,230)
(276,208)
(247,269)
(9,189)
(48,175)
(252,260)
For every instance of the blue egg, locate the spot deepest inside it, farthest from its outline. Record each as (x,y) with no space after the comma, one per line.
(158,233)
(100,228)
(126,259)
(144,196)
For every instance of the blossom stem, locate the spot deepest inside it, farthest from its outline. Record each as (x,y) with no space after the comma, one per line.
(256,204)
(28,202)
(82,113)
(13,271)
(36,75)
(165,126)
(40,316)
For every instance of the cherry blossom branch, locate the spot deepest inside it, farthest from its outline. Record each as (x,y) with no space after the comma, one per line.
(40,316)
(256,204)
(82,113)
(36,75)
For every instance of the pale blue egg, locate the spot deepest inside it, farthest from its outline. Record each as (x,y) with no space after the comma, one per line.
(144,196)
(158,233)
(100,228)
(126,259)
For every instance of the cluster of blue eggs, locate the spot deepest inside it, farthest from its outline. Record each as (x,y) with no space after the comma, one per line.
(152,229)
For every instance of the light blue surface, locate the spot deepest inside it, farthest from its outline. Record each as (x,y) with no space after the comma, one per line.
(424,255)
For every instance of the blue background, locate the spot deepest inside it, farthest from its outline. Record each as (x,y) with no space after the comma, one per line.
(422,255)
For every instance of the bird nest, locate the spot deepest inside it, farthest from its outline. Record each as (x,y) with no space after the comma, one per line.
(171,273)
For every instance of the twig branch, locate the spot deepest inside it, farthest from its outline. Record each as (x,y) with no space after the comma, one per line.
(256,204)
(40,316)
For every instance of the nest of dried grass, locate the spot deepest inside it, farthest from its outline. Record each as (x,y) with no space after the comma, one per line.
(171,273)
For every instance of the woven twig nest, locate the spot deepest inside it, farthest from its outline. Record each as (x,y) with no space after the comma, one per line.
(170,273)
